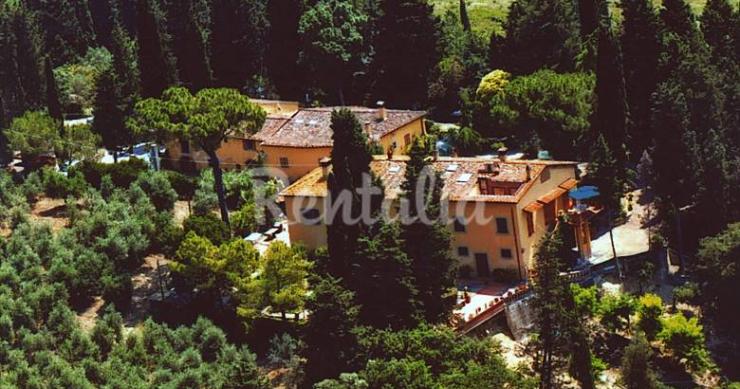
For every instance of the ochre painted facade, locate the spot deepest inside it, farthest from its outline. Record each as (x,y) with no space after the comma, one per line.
(506,242)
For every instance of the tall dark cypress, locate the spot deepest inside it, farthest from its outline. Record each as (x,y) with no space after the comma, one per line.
(589,16)
(433,264)
(67,27)
(611,115)
(5,155)
(284,45)
(157,64)
(52,93)
(539,34)
(28,59)
(405,52)
(640,43)
(238,41)
(189,45)
(464,18)
(350,165)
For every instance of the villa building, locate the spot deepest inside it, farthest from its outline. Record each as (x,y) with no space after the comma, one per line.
(498,209)
(294,139)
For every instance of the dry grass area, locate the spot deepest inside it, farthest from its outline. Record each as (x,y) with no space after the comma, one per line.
(51,211)
(181,212)
(145,282)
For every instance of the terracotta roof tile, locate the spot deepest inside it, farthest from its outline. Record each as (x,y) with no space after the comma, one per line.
(310,127)
(272,125)
(460,177)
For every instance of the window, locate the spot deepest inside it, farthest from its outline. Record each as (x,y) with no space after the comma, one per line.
(185,147)
(530,223)
(310,216)
(284,163)
(502,225)
(407,139)
(459,224)
(463,251)
(545,175)
(506,253)
(248,144)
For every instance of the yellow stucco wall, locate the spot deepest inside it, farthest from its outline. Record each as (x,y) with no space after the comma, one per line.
(414,129)
(301,160)
(231,153)
(527,243)
(484,238)
(310,236)
(478,238)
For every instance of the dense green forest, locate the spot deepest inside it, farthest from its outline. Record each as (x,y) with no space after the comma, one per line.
(648,93)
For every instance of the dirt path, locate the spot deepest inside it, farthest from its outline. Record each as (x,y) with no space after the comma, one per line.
(52,211)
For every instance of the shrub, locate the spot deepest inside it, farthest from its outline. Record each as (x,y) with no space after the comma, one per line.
(167,236)
(183,184)
(58,186)
(32,187)
(650,308)
(122,173)
(245,220)
(157,187)
(684,338)
(117,290)
(208,226)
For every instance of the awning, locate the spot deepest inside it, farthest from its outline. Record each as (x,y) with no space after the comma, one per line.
(552,195)
(569,184)
(533,207)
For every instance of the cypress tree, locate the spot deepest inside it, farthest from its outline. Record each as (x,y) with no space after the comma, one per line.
(640,43)
(238,41)
(539,34)
(382,278)
(28,59)
(405,52)
(67,27)
(283,47)
(156,62)
(549,289)
(116,93)
(717,24)
(636,369)
(604,172)
(464,18)
(189,45)
(52,94)
(588,13)
(5,155)
(611,115)
(101,14)
(434,266)
(350,166)
(330,342)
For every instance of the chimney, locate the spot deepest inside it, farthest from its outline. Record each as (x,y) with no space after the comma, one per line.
(382,112)
(502,153)
(529,173)
(325,164)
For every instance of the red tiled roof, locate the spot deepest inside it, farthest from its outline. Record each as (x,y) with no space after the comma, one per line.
(311,127)
(272,124)
(460,177)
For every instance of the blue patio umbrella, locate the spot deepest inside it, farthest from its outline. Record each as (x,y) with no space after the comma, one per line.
(584,193)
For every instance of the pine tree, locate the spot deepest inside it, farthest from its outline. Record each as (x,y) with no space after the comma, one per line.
(382,278)
(611,115)
(350,166)
(238,41)
(52,94)
(189,45)
(640,42)
(156,62)
(539,34)
(330,342)
(405,52)
(434,266)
